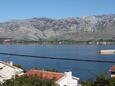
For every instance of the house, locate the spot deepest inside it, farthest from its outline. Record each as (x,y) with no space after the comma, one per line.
(112,70)
(61,79)
(8,71)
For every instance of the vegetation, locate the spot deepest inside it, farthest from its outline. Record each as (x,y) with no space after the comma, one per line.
(52,70)
(47,69)
(101,80)
(25,80)
(29,81)
(18,65)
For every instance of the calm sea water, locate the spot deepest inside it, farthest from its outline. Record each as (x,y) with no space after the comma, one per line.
(83,70)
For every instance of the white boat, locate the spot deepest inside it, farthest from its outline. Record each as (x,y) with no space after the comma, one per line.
(106,51)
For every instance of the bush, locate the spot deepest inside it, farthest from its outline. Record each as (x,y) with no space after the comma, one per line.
(29,81)
(101,80)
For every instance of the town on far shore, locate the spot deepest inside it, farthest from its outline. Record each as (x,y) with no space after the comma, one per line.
(60,42)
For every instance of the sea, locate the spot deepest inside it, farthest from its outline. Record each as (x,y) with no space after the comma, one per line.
(83,69)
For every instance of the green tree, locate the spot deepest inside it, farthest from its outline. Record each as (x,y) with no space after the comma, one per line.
(112,81)
(87,83)
(101,80)
(28,81)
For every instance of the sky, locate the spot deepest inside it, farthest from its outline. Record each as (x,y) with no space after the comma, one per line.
(23,9)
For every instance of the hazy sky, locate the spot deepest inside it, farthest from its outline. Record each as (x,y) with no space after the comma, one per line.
(19,9)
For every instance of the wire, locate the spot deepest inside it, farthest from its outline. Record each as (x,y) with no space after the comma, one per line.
(58,58)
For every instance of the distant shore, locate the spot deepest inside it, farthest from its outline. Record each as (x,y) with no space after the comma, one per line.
(59,42)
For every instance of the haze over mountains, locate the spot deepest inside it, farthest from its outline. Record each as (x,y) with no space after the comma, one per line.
(78,29)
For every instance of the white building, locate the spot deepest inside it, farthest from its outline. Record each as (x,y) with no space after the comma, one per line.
(8,71)
(61,79)
(67,80)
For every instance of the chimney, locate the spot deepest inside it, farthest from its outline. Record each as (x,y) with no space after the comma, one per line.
(68,74)
(11,63)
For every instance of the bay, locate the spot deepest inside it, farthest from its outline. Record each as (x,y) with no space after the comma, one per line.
(83,70)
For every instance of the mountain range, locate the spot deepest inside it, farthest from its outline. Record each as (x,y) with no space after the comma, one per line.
(73,28)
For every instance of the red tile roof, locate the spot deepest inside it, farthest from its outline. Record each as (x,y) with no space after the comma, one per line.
(113,68)
(45,74)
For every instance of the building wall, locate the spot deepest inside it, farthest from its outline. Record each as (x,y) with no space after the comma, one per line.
(112,75)
(7,71)
(67,80)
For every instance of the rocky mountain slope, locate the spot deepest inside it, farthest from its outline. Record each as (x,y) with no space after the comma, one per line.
(78,29)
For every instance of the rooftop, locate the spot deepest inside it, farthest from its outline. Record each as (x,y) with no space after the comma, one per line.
(113,68)
(45,74)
